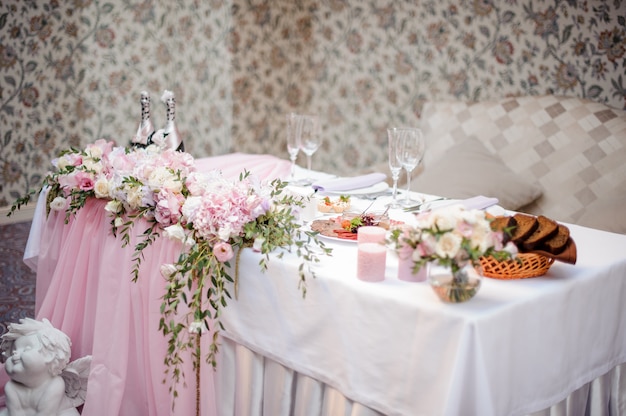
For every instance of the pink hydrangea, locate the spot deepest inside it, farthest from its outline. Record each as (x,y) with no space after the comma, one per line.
(168,207)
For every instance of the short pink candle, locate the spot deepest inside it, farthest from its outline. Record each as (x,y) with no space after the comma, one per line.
(371,234)
(405,270)
(371,262)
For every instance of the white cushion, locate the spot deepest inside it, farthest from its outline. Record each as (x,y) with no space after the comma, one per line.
(468,169)
(573,148)
(608,214)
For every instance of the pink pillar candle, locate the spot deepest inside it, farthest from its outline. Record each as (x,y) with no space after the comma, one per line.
(371,262)
(405,270)
(371,234)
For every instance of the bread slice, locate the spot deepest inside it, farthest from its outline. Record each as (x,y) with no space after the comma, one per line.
(546,229)
(556,244)
(525,226)
(506,224)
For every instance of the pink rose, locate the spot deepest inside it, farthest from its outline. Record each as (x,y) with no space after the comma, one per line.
(74,159)
(104,145)
(223,251)
(68,181)
(85,181)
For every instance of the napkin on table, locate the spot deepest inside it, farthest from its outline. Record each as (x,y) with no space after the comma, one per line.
(347,184)
(479,202)
(475,202)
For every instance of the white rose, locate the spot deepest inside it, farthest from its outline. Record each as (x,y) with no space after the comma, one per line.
(446,220)
(190,207)
(168,270)
(94,151)
(224,232)
(58,204)
(175,232)
(134,196)
(62,162)
(92,165)
(258,244)
(101,188)
(448,245)
(197,327)
(114,206)
(157,177)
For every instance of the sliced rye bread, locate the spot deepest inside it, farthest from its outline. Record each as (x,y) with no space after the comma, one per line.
(506,224)
(546,229)
(557,243)
(526,225)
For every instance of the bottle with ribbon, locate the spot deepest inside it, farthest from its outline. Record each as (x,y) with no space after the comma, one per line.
(145,130)
(171,136)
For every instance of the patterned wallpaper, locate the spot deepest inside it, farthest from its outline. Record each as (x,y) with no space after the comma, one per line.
(72,71)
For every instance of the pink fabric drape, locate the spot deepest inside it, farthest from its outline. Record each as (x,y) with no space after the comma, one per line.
(84,288)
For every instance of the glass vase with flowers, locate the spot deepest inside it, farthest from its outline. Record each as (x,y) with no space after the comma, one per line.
(454,239)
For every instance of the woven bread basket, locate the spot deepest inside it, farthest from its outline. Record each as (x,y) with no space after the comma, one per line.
(526,265)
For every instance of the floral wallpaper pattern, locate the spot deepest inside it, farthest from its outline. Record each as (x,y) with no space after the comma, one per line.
(72,71)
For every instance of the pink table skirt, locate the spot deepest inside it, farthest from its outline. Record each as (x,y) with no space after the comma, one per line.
(84,288)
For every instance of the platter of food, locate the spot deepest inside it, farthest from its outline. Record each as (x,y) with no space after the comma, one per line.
(345,227)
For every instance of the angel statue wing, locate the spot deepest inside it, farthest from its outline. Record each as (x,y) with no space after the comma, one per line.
(75,375)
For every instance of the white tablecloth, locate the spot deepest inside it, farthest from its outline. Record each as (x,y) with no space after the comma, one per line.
(516,348)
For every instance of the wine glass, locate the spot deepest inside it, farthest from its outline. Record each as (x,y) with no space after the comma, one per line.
(395,166)
(293,141)
(309,134)
(410,152)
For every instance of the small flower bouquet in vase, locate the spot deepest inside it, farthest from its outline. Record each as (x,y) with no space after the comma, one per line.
(453,238)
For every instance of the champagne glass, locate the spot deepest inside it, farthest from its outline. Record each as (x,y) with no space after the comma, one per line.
(410,152)
(293,142)
(309,134)
(395,166)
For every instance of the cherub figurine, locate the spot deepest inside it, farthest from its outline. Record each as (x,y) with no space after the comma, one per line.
(41,380)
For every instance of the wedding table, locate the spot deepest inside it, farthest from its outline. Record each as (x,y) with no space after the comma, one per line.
(550,345)
(518,347)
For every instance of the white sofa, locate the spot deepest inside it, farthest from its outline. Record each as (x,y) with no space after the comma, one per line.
(561,157)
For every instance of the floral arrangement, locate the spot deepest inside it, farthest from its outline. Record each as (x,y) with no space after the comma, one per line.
(213,217)
(452,237)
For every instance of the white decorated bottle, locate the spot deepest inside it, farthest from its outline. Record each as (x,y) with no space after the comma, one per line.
(170,131)
(145,129)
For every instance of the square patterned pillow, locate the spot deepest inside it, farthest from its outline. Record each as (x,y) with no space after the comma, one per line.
(607,214)
(574,149)
(468,169)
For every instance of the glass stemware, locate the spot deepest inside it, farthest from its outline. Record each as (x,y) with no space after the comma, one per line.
(293,142)
(310,138)
(410,152)
(393,135)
